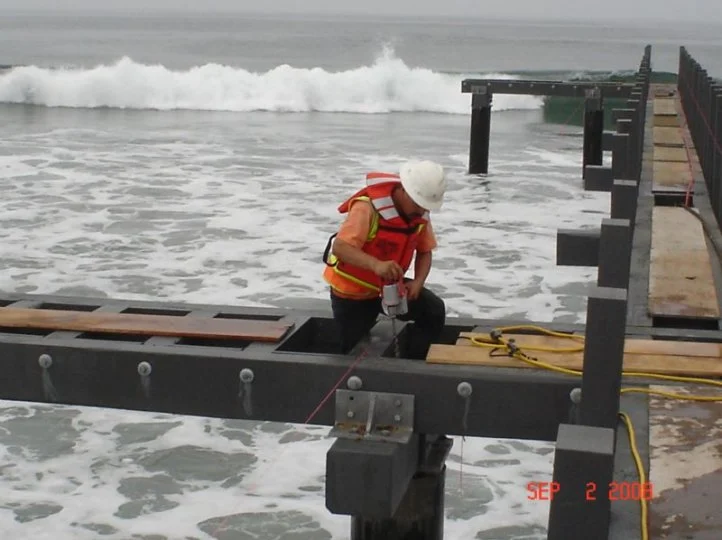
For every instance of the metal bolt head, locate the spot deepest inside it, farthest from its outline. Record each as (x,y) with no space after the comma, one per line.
(464,389)
(144,369)
(397,403)
(45,361)
(576,396)
(354,383)
(397,418)
(350,414)
(246,375)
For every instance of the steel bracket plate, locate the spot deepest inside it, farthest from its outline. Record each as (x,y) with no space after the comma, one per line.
(373,416)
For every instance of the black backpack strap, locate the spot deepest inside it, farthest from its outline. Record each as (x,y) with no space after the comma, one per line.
(327,251)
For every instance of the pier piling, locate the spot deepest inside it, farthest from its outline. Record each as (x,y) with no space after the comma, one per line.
(592,153)
(481,100)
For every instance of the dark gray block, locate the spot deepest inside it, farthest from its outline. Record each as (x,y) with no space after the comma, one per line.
(598,178)
(624,200)
(578,247)
(369,478)
(583,471)
(603,356)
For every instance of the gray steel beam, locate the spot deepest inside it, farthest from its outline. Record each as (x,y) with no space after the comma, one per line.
(547,88)
(276,386)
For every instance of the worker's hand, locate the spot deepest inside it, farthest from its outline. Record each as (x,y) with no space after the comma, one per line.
(389,270)
(413,289)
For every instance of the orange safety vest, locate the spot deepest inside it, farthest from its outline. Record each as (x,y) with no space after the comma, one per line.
(390,238)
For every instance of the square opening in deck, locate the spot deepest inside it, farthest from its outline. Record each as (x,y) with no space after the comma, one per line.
(214,342)
(110,336)
(411,347)
(66,307)
(155,311)
(685,322)
(249,316)
(671,198)
(317,335)
(25,331)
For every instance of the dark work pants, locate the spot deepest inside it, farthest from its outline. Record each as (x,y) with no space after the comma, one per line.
(355,318)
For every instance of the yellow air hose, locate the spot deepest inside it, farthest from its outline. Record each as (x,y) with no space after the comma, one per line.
(496,341)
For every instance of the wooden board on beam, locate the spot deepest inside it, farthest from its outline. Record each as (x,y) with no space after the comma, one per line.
(640,355)
(671,173)
(664,107)
(670,153)
(681,283)
(665,121)
(667,136)
(142,324)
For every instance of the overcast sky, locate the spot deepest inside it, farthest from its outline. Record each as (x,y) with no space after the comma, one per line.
(700,10)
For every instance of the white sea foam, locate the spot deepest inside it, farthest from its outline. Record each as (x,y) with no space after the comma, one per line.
(387,85)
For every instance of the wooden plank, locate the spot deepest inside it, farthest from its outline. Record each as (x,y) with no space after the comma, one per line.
(665,121)
(671,173)
(667,136)
(681,283)
(697,366)
(670,153)
(631,346)
(142,324)
(663,90)
(664,107)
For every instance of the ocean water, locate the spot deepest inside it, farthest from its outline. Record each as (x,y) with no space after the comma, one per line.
(201,159)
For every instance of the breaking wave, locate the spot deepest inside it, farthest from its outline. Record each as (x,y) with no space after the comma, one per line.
(387,85)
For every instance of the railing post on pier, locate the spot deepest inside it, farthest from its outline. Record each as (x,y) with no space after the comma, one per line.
(702,104)
(631,129)
(603,356)
(624,201)
(636,102)
(717,162)
(481,99)
(584,454)
(620,150)
(615,250)
(583,465)
(712,138)
(593,129)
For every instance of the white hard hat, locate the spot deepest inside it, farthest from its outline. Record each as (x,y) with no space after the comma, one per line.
(425,183)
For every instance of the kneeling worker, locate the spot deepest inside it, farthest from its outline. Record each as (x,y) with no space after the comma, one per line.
(387,223)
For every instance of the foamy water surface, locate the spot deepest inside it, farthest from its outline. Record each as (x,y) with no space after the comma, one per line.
(229,208)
